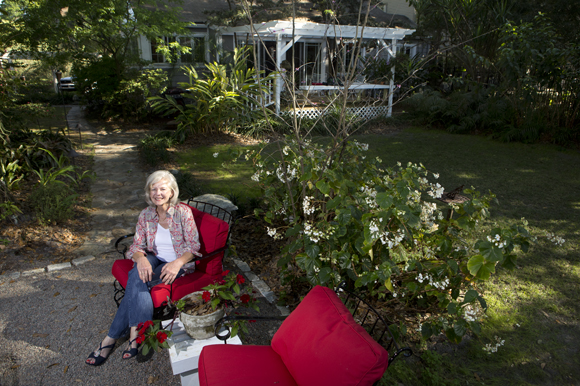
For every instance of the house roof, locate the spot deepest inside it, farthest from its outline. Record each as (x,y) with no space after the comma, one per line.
(199,11)
(314,30)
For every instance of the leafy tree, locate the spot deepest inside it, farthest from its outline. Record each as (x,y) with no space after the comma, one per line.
(78,30)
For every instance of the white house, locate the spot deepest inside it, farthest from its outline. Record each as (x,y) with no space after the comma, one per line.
(320,52)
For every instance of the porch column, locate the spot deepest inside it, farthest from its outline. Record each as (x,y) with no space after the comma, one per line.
(392,82)
(278,76)
(323,60)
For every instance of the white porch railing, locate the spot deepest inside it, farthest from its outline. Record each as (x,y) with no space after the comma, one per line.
(364,112)
(267,97)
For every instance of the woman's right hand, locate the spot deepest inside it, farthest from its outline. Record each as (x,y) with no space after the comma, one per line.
(144,268)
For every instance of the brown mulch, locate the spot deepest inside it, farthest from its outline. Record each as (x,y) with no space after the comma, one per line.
(29,244)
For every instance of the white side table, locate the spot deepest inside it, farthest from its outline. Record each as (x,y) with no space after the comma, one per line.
(184,352)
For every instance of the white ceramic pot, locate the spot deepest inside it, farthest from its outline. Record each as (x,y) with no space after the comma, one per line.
(200,327)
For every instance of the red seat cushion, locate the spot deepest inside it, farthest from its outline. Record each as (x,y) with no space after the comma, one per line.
(213,235)
(221,365)
(121,270)
(321,344)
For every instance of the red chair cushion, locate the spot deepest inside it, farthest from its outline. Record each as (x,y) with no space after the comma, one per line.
(213,235)
(321,344)
(235,365)
(121,270)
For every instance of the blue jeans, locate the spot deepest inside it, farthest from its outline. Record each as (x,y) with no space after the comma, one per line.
(137,305)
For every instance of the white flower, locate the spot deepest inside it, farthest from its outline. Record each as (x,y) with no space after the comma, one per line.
(306,203)
(286,150)
(493,348)
(271,231)
(436,175)
(215,155)
(559,241)
(256,177)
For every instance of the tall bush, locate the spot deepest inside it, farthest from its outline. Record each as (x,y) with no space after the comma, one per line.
(348,217)
(219,100)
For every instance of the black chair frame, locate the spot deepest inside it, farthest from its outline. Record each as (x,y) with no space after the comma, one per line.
(214,210)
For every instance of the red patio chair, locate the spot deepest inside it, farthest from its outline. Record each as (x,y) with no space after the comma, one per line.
(319,344)
(213,232)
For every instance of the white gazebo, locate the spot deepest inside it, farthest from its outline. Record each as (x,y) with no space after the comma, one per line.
(283,35)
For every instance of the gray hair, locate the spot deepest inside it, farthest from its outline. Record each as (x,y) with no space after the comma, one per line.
(162,175)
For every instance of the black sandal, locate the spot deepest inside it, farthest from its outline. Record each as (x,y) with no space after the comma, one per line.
(99,359)
(132,351)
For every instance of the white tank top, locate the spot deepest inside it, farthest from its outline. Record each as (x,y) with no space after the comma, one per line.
(165,251)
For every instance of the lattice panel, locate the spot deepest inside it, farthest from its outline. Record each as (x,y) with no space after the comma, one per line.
(365,113)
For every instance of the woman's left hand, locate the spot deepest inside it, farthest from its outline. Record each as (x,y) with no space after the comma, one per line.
(170,270)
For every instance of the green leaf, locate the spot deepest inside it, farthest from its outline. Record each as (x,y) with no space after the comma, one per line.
(470,296)
(412,286)
(459,327)
(480,268)
(453,265)
(452,335)
(385,200)
(312,250)
(475,327)
(323,187)
(452,308)
(324,275)
(145,350)
(482,302)
(489,251)
(388,284)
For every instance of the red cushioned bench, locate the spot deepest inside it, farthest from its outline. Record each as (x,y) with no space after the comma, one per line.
(213,237)
(319,344)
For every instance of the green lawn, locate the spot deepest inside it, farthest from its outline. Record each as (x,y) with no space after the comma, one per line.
(533,308)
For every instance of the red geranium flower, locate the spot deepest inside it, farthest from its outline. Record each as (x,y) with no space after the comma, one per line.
(221,282)
(161,336)
(240,279)
(139,326)
(224,273)
(245,298)
(206,296)
(140,339)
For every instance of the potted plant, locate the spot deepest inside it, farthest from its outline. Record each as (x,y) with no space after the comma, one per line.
(152,336)
(201,310)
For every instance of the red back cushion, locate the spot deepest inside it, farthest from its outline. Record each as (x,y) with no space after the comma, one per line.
(321,344)
(213,235)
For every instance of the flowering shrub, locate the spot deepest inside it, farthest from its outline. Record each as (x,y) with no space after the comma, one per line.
(348,217)
(152,337)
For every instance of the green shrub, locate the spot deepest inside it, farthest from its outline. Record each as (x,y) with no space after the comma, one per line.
(153,148)
(188,186)
(349,218)
(53,202)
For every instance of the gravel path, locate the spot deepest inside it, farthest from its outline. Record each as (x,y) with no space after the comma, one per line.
(52,318)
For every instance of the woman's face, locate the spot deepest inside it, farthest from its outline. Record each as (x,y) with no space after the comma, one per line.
(160,193)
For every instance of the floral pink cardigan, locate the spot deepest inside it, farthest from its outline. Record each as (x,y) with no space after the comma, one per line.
(181,227)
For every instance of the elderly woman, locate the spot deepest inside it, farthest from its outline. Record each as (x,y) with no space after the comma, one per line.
(165,241)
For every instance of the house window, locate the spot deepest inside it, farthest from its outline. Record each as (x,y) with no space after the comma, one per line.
(197,45)
(196,55)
